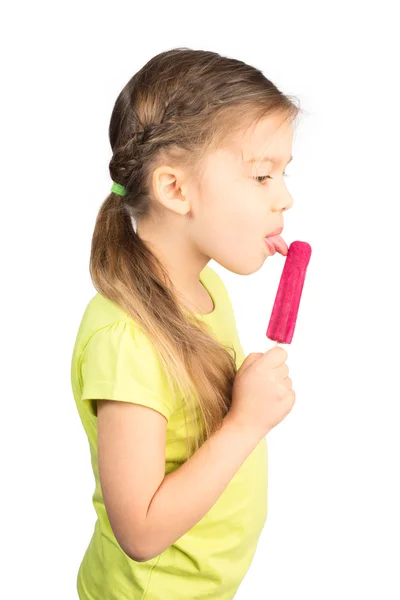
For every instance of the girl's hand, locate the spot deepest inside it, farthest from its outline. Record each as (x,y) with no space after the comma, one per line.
(262,393)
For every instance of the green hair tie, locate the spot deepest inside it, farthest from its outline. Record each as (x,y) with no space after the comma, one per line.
(119,189)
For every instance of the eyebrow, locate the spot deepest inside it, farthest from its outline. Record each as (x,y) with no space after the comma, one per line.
(267,159)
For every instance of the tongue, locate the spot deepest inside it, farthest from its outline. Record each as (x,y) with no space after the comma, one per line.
(279,243)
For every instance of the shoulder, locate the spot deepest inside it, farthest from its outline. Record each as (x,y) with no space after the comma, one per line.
(104,320)
(122,345)
(119,362)
(110,340)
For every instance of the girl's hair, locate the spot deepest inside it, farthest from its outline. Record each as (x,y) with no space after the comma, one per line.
(180,105)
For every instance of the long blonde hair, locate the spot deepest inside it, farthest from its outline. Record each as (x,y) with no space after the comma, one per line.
(180,105)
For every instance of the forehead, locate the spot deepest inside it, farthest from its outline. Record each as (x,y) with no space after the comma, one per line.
(270,140)
(273,159)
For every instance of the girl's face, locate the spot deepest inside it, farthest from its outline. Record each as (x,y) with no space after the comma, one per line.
(239,202)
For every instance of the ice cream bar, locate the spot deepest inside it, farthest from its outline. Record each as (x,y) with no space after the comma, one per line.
(286,306)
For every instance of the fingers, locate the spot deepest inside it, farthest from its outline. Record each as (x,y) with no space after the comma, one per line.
(282,372)
(275,357)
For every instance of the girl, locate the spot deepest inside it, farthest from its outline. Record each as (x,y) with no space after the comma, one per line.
(176,417)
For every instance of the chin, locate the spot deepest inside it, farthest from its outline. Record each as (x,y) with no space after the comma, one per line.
(245,268)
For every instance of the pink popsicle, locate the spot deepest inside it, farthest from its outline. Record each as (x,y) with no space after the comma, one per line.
(286,306)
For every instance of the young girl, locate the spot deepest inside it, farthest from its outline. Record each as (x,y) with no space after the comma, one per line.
(176,417)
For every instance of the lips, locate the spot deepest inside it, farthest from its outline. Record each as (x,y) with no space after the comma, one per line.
(276,240)
(277,231)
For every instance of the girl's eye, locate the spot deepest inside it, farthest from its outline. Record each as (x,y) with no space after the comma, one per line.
(263,177)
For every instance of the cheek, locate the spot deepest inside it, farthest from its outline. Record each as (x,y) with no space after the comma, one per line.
(235,217)
(244,207)
(232,205)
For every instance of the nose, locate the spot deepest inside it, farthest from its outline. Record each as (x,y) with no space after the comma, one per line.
(283,202)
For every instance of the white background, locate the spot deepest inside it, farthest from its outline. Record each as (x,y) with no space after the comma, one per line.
(333,525)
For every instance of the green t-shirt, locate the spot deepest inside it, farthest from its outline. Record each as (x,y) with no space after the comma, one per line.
(113,359)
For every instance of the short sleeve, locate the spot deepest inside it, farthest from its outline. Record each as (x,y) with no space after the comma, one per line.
(119,362)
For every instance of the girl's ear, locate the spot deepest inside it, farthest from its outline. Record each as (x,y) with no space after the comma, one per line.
(168,189)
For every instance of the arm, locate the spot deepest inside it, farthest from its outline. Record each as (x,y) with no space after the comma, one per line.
(148,510)
(187,494)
